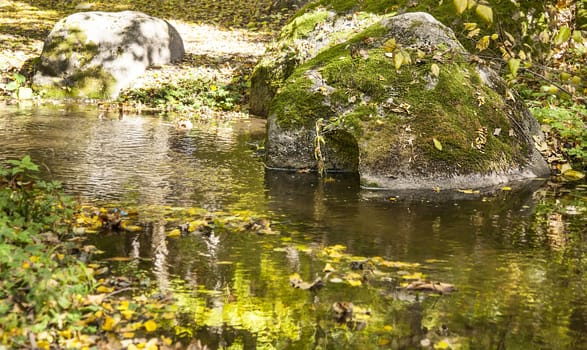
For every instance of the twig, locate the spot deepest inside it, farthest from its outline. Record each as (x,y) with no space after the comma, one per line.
(118,291)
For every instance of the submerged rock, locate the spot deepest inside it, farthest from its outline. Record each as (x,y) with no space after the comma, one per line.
(403,104)
(97,54)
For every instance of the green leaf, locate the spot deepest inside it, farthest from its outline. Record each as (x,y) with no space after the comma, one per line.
(13,85)
(563,35)
(485,12)
(437,144)
(460,5)
(19,78)
(514,65)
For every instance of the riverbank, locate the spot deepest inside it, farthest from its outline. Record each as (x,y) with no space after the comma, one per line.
(223,41)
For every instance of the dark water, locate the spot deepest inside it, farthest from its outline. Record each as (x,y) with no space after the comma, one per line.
(516,258)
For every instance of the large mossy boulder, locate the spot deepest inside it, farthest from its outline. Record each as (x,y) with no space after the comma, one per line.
(319,25)
(403,104)
(307,34)
(97,54)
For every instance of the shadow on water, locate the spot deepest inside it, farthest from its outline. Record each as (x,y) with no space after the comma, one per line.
(516,257)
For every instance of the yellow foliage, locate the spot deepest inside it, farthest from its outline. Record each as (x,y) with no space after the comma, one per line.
(354,283)
(174,233)
(485,12)
(460,5)
(104,289)
(413,276)
(109,323)
(483,43)
(150,326)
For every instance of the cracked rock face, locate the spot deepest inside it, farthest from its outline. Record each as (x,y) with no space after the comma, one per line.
(401,103)
(97,54)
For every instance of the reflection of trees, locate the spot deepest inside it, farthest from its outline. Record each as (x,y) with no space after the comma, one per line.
(159,253)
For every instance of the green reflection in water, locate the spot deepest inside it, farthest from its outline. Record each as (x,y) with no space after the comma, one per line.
(517,258)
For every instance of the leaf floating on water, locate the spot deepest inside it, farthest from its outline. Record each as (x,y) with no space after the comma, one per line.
(354,283)
(298,283)
(328,268)
(506,188)
(413,276)
(469,191)
(174,233)
(573,175)
(119,258)
(442,345)
(335,251)
(130,228)
(427,286)
(437,144)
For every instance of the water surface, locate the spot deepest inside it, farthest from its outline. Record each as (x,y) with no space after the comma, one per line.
(516,258)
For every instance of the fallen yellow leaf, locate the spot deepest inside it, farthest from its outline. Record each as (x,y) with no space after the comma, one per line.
(150,326)
(354,283)
(109,323)
(174,233)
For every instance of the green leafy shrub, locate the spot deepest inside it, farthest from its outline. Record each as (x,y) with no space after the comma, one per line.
(569,126)
(42,283)
(185,95)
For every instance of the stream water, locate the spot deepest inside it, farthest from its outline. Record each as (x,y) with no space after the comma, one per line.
(516,257)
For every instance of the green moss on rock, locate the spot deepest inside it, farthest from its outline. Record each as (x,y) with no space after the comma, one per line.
(393,115)
(301,26)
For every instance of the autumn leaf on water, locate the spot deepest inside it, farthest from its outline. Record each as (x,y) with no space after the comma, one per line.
(328,268)
(437,144)
(573,174)
(174,233)
(468,191)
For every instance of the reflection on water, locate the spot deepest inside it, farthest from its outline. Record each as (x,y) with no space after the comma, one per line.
(517,258)
(136,159)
